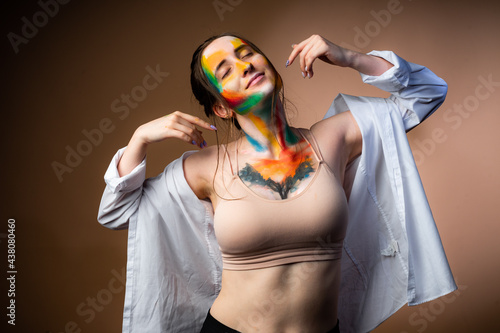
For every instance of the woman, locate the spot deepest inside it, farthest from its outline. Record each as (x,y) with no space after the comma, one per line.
(279,194)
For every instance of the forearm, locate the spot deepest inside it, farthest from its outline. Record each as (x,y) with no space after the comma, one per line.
(367,64)
(416,90)
(132,156)
(122,193)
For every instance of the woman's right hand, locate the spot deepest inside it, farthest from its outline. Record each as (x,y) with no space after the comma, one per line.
(175,125)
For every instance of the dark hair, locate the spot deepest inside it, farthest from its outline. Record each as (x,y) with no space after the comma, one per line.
(206,94)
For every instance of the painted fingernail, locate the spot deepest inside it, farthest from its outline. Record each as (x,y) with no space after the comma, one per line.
(287,63)
(309,75)
(303,75)
(306,68)
(193,142)
(205,143)
(293,45)
(213,127)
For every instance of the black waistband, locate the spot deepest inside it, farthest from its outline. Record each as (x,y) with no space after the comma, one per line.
(212,325)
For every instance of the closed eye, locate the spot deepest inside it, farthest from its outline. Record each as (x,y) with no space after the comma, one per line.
(226,73)
(242,56)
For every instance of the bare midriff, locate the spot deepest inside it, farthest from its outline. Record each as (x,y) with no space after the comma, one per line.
(292,298)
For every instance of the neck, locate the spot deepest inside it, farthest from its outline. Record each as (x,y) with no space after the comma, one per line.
(267,131)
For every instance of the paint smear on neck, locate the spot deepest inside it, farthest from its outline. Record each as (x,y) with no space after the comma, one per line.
(242,103)
(262,127)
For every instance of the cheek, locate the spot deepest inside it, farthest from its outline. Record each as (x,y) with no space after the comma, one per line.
(232,82)
(229,82)
(261,62)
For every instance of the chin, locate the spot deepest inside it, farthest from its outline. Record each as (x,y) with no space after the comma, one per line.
(267,88)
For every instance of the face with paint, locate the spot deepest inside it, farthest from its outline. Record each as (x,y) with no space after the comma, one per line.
(242,76)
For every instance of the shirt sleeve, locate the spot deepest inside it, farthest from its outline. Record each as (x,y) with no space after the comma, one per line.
(121,196)
(128,182)
(393,254)
(415,89)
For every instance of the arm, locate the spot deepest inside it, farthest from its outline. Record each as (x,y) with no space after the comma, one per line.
(368,64)
(126,173)
(175,125)
(415,90)
(340,131)
(318,47)
(121,196)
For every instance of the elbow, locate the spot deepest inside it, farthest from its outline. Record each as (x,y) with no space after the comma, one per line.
(111,220)
(436,99)
(436,95)
(112,224)
(442,91)
(429,98)
(104,220)
(115,210)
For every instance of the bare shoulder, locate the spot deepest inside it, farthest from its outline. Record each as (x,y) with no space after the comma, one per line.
(199,169)
(339,138)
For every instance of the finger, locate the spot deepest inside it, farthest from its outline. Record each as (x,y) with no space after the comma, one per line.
(309,59)
(309,71)
(193,132)
(186,124)
(197,121)
(187,133)
(304,59)
(297,48)
(317,50)
(175,121)
(292,55)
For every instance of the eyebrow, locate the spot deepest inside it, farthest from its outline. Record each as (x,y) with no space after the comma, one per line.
(236,50)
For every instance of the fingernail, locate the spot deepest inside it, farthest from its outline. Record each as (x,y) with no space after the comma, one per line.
(309,75)
(193,142)
(303,75)
(287,63)
(213,127)
(204,143)
(293,45)
(306,68)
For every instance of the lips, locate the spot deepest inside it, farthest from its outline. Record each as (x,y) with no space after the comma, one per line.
(257,77)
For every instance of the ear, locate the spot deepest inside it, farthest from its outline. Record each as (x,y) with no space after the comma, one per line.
(221,111)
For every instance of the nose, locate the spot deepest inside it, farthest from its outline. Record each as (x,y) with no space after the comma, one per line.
(244,67)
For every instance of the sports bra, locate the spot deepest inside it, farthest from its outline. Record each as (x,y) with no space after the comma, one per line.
(254,232)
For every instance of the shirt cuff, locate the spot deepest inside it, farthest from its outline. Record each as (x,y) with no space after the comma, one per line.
(395,78)
(128,182)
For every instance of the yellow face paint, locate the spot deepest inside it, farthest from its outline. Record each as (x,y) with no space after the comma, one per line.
(241,102)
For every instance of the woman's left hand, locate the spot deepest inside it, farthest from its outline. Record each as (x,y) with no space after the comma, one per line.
(318,47)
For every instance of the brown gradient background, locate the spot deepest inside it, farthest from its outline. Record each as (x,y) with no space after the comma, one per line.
(65,79)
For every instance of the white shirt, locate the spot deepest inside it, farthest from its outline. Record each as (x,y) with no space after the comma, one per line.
(392,251)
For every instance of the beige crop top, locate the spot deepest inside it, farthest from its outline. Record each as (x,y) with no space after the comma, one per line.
(254,232)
